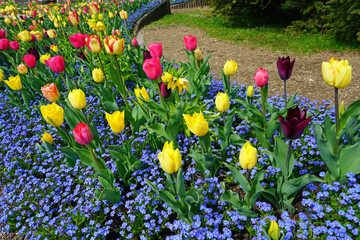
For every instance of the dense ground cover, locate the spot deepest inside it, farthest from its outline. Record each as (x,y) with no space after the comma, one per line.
(125,188)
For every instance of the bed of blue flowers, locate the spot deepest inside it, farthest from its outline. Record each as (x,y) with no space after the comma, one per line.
(141,148)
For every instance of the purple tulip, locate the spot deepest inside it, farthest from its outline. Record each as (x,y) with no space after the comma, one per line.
(34,52)
(146,55)
(295,123)
(285,67)
(165,91)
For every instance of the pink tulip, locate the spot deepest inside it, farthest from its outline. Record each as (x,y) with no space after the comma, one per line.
(190,42)
(4,44)
(261,77)
(14,45)
(152,68)
(155,50)
(78,40)
(57,64)
(2,33)
(83,134)
(134,42)
(30,60)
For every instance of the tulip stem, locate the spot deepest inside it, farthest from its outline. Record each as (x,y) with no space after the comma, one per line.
(262,102)
(162,99)
(336,120)
(122,84)
(102,67)
(285,95)
(35,73)
(228,82)
(62,77)
(288,156)
(248,194)
(87,59)
(203,143)
(94,157)
(87,121)
(122,140)
(224,118)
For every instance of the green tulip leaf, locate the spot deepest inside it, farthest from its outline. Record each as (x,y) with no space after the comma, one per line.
(349,160)
(230,197)
(239,178)
(280,152)
(175,121)
(272,125)
(180,184)
(110,195)
(292,186)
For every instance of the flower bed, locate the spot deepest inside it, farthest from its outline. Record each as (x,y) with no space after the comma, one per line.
(143,149)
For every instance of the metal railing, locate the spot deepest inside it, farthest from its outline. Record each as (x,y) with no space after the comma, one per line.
(191,4)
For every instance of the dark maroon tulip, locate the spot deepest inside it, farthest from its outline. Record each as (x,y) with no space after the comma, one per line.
(46,48)
(285,67)
(34,52)
(46,35)
(165,91)
(146,55)
(82,56)
(295,123)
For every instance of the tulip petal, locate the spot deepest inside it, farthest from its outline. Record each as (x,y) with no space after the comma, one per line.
(298,129)
(285,127)
(165,162)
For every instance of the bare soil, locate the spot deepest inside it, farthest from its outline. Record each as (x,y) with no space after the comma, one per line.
(306,79)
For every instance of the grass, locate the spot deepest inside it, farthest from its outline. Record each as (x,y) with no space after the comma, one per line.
(253,33)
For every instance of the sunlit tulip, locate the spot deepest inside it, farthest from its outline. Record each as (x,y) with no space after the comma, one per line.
(82,134)
(14,83)
(230,68)
(77,99)
(295,123)
(170,159)
(74,19)
(261,77)
(113,45)
(51,33)
(44,57)
(111,15)
(78,40)
(222,102)
(97,75)
(190,42)
(54,48)
(47,138)
(143,94)
(53,114)
(274,231)
(155,50)
(285,66)
(50,92)
(29,60)
(248,156)
(93,43)
(197,124)
(153,69)
(93,8)
(116,121)
(24,36)
(22,69)
(336,73)
(56,64)
(124,15)
(198,55)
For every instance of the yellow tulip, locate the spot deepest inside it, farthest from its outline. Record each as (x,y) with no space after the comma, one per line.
(197,124)
(116,121)
(222,102)
(2,77)
(22,69)
(77,98)
(47,138)
(54,48)
(25,36)
(111,15)
(250,91)
(143,93)
(114,45)
(248,156)
(124,15)
(198,55)
(7,21)
(51,33)
(44,57)
(169,158)
(14,83)
(274,231)
(336,73)
(167,78)
(341,109)
(53,114)
(230,68)
(98,75)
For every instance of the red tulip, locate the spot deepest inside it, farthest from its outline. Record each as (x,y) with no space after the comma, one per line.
(30,60)
(2,33)
(50,92)
(261,77)
(155,50)
(83,134)
(14,45)
(4,44)
(152,68)
(134,42)
(78,40)
(285,67)
(56,64)
(190,42)
(295,123)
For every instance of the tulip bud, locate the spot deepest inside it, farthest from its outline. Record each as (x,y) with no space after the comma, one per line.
(261,77)
(74,19)
(230,68)
(97,75)
(14,83)
(165,91)
(190,42)
(169,158)
(197,124)
(285,67)
(53,114)
(295,123)
(93,43)
(155,50)
(47,138)
(248,156)
(124,15)
(77,98)
(222,102)
(153,69)
(250,91)
(83,134)
(51,33)
(117,32)
(143,93)
(341,109)
(22,69)
(274,231)
(134,42)
(4,44)
(116,121)
(29,60)
(336,73)
(50,92)
(57,64)
(198,55)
